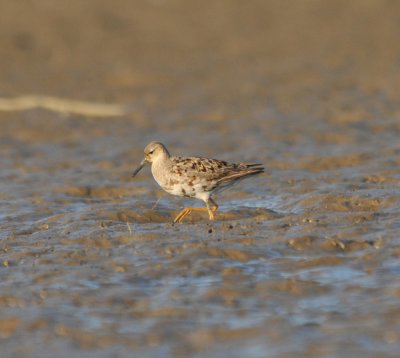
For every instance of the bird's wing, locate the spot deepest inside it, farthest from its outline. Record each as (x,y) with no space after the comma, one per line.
(211,169)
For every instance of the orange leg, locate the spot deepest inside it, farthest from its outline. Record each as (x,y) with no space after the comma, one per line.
(187,211)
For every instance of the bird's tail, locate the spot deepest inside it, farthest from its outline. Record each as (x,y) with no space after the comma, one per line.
(241,171)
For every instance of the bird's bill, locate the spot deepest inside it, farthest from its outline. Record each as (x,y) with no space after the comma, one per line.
(139,168)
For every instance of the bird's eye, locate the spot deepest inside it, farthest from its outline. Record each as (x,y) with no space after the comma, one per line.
(151,152)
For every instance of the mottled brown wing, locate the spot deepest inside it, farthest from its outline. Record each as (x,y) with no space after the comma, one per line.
(211,169)
(214,170)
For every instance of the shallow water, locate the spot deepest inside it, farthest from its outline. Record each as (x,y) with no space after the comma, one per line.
(302,261)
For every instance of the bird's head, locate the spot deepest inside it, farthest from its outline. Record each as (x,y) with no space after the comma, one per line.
(152,152)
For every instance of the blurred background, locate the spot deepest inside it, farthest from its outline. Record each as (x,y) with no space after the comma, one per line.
(302,262)
(138,51)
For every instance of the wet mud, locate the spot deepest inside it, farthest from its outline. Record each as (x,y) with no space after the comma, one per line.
(302,261)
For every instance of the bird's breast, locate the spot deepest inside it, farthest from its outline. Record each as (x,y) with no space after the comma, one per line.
(180,183)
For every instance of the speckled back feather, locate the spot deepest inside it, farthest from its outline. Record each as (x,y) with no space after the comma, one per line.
(212,174)
(219,170)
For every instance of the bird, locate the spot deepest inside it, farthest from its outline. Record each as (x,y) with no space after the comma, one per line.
(194,177)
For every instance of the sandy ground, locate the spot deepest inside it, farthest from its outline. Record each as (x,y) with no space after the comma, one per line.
(301,262)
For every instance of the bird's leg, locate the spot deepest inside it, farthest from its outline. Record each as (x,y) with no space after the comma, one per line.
(181,215)
(212,210)
(185,212)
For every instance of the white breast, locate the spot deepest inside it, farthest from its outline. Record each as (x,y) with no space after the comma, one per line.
(175,184)
(164,178)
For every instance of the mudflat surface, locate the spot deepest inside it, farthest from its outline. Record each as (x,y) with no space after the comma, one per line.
(301,262)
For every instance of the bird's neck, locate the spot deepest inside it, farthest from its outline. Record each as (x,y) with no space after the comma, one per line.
(160,165)
(162,158)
